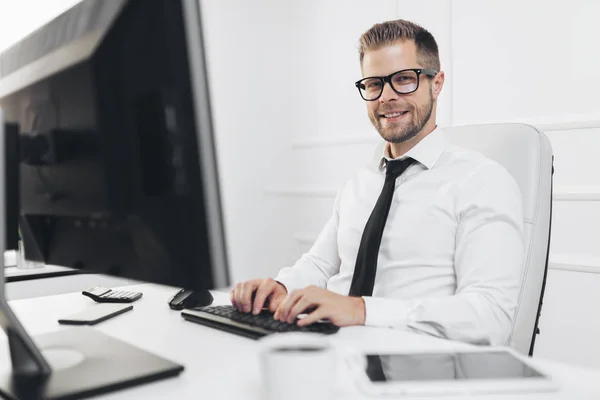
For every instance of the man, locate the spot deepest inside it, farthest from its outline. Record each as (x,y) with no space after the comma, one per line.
(439,249)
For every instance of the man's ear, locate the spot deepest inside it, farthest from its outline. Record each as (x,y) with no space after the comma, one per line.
(437,84)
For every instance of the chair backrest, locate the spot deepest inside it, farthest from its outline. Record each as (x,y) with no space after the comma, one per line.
(526,153)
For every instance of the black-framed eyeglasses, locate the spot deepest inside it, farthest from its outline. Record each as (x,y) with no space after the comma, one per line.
(402,82)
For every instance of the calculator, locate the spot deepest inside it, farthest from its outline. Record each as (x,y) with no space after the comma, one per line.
(104,295)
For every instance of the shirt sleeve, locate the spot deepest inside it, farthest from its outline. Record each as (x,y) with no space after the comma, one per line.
(320,263)
(489,256)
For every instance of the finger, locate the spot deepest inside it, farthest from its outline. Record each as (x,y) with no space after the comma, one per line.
(286,305)
(232,297)
(235,296)
(262,293)
(238,297)
(313,317)
(246,295)
(279,311)
(275,301)
(301,305)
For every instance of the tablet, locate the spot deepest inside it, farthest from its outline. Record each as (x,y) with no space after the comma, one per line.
(477,371)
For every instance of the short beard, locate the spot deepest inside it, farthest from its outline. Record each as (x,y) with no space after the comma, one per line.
(406,132)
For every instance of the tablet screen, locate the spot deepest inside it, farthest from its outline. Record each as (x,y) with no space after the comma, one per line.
(447,366)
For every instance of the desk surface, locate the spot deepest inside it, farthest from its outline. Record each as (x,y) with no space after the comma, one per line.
(220,365)
(14,274)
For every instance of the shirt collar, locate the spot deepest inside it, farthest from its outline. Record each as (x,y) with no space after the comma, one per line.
(426,152)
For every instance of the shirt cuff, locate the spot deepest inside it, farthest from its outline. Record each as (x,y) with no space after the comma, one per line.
(285,285)
(383,312)
(289,283)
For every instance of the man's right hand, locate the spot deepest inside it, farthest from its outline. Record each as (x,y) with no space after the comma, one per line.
(251,295)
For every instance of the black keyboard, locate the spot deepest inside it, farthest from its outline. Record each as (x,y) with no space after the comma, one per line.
(228,318)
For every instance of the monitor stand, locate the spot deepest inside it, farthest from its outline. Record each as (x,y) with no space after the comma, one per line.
(77,363)
(67,364)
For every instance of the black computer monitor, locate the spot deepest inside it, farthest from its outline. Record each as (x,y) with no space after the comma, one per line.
(118,171)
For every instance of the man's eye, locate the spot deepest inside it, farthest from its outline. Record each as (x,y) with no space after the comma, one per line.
(404,79)
(373,85)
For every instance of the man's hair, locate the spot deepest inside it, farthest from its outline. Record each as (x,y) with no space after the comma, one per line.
(392,32)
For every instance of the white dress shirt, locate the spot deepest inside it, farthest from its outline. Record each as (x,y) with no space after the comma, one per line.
(452,251)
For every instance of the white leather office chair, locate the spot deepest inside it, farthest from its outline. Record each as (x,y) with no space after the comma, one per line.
(527,154)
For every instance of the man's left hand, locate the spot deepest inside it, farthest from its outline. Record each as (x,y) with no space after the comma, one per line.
(322,304)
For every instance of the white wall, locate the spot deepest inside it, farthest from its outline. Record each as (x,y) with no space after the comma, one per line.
(282,72)
(532,61)
(513,62)
(19,18)
(569,322)
(248,47)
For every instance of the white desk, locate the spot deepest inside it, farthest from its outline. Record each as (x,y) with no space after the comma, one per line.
(14,274)
(223,366)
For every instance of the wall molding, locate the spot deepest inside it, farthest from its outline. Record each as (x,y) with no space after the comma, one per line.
(561,262)
(576,193)
(361,139)
(335,140)
(568,125)
(561,193)
(575,263)
(550,124)
(561,123)
(302,192)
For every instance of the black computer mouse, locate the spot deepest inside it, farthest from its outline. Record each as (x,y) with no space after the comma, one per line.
(190,299)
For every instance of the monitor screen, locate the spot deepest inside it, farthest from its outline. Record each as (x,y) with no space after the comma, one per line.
(117,166)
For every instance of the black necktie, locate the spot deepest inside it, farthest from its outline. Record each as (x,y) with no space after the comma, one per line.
(366,260)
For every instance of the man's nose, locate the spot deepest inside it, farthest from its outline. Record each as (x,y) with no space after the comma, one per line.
(388,93)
